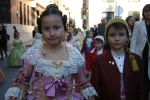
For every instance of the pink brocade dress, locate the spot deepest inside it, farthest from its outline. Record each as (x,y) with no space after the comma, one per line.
(50,82)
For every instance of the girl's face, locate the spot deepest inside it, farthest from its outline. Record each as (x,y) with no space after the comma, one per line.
(131,21)
(90,35)
(74,33)
(117,38)
(1,26)
(52,30)
(98,45)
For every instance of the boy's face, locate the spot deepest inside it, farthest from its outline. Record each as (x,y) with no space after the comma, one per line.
(98,45)
(117,38)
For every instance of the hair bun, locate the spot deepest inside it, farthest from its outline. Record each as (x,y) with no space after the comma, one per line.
(52,6)
(65,21)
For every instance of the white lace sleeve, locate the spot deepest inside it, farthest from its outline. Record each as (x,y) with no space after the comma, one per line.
(88,92)
(79,58)
(32,54)
(13,92)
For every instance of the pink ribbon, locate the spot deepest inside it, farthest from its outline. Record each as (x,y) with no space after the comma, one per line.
(51,87)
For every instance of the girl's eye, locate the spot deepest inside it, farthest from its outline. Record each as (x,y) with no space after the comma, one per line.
(122,34)
(46,29)
(56,28)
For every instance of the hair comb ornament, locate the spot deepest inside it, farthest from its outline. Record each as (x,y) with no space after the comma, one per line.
(52,6)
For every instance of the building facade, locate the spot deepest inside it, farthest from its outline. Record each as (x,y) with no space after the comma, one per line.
(21,14)
(98,9)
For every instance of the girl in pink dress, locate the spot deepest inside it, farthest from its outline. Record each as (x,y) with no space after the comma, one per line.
(51,66)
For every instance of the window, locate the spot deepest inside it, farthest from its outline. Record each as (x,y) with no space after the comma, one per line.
(5,15)
(25,14)
(135,14)
(108,15)
(20,12)
(134,0)
(33,16)
(108,0)
(28,15)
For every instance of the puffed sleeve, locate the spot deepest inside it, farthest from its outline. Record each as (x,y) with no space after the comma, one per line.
(82,84)
(21,83)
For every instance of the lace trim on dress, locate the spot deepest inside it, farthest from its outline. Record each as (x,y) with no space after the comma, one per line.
(35,57)
(88,92)
(32,54)
(14,92)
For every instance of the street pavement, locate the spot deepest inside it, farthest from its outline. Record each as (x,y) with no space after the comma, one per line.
(10,73)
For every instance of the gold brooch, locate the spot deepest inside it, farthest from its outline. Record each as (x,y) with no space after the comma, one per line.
(57,63)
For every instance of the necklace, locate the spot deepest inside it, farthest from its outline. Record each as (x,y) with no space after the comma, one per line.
(53,48)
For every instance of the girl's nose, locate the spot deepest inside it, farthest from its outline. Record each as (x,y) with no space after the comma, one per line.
(52,33)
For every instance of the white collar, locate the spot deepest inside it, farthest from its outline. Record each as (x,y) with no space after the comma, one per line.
(114,54)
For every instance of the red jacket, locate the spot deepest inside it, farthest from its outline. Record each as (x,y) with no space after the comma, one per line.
(105,78)
(90,57)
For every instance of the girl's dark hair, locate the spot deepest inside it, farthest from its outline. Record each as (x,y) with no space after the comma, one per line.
(117,26)
(52,9)
(146,7)
(130,26)
(15,32)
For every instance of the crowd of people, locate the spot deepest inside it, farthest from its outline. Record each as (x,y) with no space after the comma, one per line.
(107,62)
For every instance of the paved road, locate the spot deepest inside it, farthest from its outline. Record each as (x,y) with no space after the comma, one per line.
(10,74)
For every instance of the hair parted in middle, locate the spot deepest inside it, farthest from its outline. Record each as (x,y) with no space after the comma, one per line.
(119,24)
(52,9)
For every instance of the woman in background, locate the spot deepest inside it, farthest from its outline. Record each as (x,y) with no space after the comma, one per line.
(3,41)
(130,21)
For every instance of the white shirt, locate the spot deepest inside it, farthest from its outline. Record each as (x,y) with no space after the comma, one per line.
(119,61)
(98,51)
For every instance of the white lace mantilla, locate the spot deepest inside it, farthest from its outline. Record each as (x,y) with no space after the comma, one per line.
(34,56)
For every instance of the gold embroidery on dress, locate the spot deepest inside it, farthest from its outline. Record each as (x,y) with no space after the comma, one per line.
(57,63)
